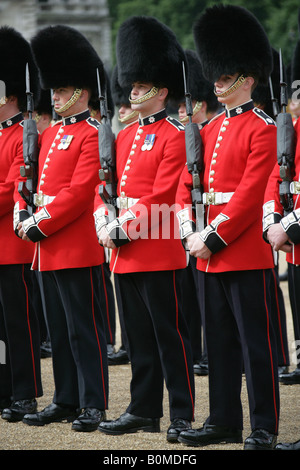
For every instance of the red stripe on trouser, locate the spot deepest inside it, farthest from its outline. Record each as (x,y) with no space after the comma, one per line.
(29,331)
(106,303)
(278,314)
(272,365)
(183,348)
(96,332)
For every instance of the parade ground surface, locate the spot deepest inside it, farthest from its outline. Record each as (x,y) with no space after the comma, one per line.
(59,436)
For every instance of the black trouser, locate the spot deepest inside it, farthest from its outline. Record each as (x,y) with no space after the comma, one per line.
(109,308)
(279,320)
(239,332)
(159,345)
(77,333)
(191,304)
(20,375)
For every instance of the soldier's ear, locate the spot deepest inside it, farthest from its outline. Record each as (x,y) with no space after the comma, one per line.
(85,94)
(249,82)
(163,93)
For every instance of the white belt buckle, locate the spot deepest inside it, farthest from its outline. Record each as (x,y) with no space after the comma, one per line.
(38,199)
(123,202)
(209,198)
(295,187)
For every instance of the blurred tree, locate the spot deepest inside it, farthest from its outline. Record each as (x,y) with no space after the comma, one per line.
(279,18)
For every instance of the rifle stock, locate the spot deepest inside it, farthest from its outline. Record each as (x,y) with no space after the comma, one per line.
(29,170)
(106,141)
(285,146)
(194,157)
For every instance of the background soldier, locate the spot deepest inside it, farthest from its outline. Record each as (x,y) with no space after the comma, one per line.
(234,265)
(121,100)
(282,231)
(150,156)
(66,249)
(20,377)
(263,99)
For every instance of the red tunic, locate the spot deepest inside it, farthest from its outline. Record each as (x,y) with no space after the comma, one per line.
(150,177)
(273,210)
(13,249)
(239,154)
(68,174)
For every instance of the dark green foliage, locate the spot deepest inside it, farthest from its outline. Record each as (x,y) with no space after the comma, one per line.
(279,18)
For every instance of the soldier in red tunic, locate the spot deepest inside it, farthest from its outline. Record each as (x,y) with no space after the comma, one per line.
(67,252)
(20,376)
(234,264)
(147,256)
(281,230)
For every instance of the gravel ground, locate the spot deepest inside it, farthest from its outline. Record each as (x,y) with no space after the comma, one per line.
(18,436)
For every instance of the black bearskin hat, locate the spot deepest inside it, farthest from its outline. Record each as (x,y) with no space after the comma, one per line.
(120,95)
(229,39)
(15,54)
(199,88)
(148,51)
(66,58)
(44,104)
(262,93)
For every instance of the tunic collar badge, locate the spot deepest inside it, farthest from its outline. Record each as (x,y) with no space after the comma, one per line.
(239,109)
(153,118)
(11,121)
(76,118)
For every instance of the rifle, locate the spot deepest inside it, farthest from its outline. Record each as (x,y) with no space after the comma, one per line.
(285,146)
(106,140)
(193,147)
(273,99)
(29,170)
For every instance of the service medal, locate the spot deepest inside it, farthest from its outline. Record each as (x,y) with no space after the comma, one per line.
(65,142)
(149,142)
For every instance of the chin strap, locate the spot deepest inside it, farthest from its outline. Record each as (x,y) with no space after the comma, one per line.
(196,108)
(70,102)
(3,101)
(146,97)
(239,81)
(128,116)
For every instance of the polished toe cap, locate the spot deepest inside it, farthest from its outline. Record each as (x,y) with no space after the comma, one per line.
(177,426)
(288,446)
(291,378)
(88,420)
(19,409)
(53,413)
(260,439)
(128,423)
(210,434)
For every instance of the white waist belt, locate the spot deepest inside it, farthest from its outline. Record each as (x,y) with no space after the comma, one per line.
(216,198)
(126,202)
(41,200)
